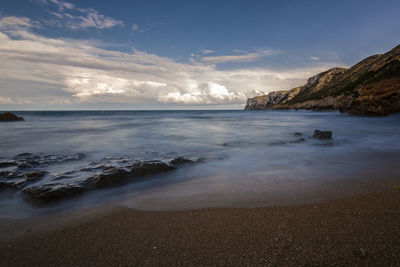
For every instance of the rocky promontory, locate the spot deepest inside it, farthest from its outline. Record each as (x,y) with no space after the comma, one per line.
(8,116)
(371,87)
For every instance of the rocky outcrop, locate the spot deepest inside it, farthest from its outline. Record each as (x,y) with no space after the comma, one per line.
(8,116)
(180,160)
(322,134)
(271,100)
(25,172)
(371,87)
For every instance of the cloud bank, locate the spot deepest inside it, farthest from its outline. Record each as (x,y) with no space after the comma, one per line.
(38,71)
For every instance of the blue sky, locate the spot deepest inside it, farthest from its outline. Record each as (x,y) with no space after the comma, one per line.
(178,54)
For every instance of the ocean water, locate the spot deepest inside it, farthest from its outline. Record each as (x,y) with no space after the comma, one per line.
(249,158)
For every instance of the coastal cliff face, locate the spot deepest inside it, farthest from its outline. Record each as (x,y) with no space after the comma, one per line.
(371,87)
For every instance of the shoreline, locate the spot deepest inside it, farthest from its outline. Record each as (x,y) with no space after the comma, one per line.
(351,231)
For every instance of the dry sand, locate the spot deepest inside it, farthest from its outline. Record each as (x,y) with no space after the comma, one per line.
(362,230)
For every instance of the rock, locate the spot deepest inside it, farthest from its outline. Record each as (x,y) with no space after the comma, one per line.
(48,193)
(7,164)
(23,174)
(298,134)
(30,160)
(110,177)
(114,175)
(12,174)
(369,88)
(151,167)
(271,100)
(8,185)
(298,140)
(180,160)
(322,134)
(14,179)
(8,116)
(35,175)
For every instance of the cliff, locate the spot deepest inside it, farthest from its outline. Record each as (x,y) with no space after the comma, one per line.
(371,87)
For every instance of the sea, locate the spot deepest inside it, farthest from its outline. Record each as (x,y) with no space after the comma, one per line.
(241,158)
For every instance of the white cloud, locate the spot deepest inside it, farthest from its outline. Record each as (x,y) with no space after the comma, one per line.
(14,101)
(12,22)
(208,93)
(247,57)
(206,51)
(45,71)
(61,4)
(315,58)
(135,27)
(6,100)
(75,18)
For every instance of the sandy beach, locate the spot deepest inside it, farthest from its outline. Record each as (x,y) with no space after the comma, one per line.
(362,230)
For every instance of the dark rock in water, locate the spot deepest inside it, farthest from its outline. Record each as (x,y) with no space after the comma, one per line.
(180,160)
(47,193)
(29,160)
(110,177)
(12,179)
(11,174)
(278,143)
(7,164)
(35,175)
(4,174)
(8,116)
(8,185)
(151,167)
(114,176)
(298,140)
(25,156)
(322,134)
(26,165)
(298,134)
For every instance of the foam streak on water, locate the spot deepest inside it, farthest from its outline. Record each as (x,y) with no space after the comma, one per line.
(252,158)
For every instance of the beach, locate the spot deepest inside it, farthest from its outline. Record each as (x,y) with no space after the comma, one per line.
(361,230)
(199,188)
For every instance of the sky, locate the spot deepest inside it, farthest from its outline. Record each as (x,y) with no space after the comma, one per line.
(178,54)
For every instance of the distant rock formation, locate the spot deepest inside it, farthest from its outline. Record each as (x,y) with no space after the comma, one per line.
(371,87)
(8,116)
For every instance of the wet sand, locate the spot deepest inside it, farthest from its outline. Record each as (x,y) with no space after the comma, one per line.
(361,230)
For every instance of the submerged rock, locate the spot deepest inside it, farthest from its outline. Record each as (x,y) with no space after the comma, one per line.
(13,179)
(7,164)
(151,167)
(30,160)
(322,134)
(114,175)
(298,134)
(298,140)
(46,193)
(110,177)
(37,176)
(180,160)
(8,116)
